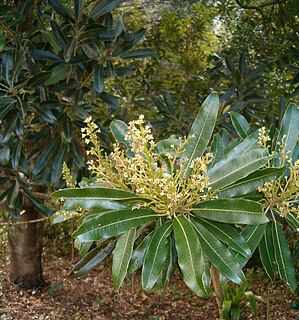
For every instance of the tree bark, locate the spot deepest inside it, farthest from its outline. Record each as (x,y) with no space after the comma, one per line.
(25,242)
(215,275)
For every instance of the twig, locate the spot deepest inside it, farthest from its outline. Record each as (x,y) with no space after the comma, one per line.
(22,222)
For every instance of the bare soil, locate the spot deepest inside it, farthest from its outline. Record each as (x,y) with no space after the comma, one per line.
(93,297)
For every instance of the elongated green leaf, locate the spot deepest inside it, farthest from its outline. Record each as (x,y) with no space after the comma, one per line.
(266,250)
(189,255)
(139,254)
(228,235)
(240,124)
(252,235)
(98,78)
(58,163)
(45,55)
(78,4)
(91,260)
(201,131)
(121,256)
(292,221)
(289,129)
(44,158)
(217,149)
(156,255)
(218,254)
(283,259)
(60,9)
(38,79)
(139,53)
(103,7)
(119,129)
(50,37)
(68,128)
(251,182)
(59,73)
(77,154)
(92,197)
(4,155)
(110,100)
(231,211)
(15,156)
(113,223)
(237,168)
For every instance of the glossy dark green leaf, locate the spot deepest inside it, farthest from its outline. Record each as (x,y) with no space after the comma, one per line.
(228,235)
(289,129)
(24,7)
(38,79)
(60,9)
(46,114)
(231,211)
(104,6)
(113,223)
(45,55)
(241,125)
(77,154)
(201,131)
(190,257)
(252,235)
(44,158)
(122,256)
(110,100)
(69,50)
(50,37)
(283,258)
(251,182)
(156,255)
(266,250)
(139,53)
(78,5)
(98,78)
(92,197)
(4,155)
(15,156)
(68,128)
(218,254)
(292,221)
(58,163)
(217,149)
(92,51)
(225,173)
(91,260)
(139,254)
(59,73)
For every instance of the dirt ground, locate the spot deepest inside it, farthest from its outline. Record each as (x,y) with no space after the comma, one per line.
(93,297)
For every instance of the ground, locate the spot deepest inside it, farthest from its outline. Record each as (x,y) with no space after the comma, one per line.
(93,297)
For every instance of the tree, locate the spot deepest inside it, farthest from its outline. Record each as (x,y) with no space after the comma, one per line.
(54,62)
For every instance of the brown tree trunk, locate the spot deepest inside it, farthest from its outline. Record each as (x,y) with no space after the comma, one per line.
(25,241)
(215,275)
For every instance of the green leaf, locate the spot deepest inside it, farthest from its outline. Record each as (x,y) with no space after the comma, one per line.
(218,254)
(45,55)
(217,149)
(44,158)
(58,163)
(139,53)
(68,50)
(139,254)
(77,155)
(98,78)
(60,9)
(91,260)
(92,197)
(289,128)
(104,6)
(283,258)
(226,173)
(59,73)
(121,257)
(16,153)
(156,255)
(292,221)
(110,100)
(231,211)
(251,182)
(68,128)
(252,235)
(266,250)
(113,223)
(24,7)
(92,51)
(201,131)
(190,257)
(228,235)
(51,39)
(38,79)
(79,5)
(240,124)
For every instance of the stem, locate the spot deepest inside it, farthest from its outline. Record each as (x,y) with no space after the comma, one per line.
(268,302)
(215,275)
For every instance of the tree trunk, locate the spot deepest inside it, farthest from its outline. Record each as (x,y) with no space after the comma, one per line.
(215,275)
(25,241)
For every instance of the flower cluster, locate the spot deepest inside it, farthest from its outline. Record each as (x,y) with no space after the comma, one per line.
(282,195)
(263,137)
(158,179)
